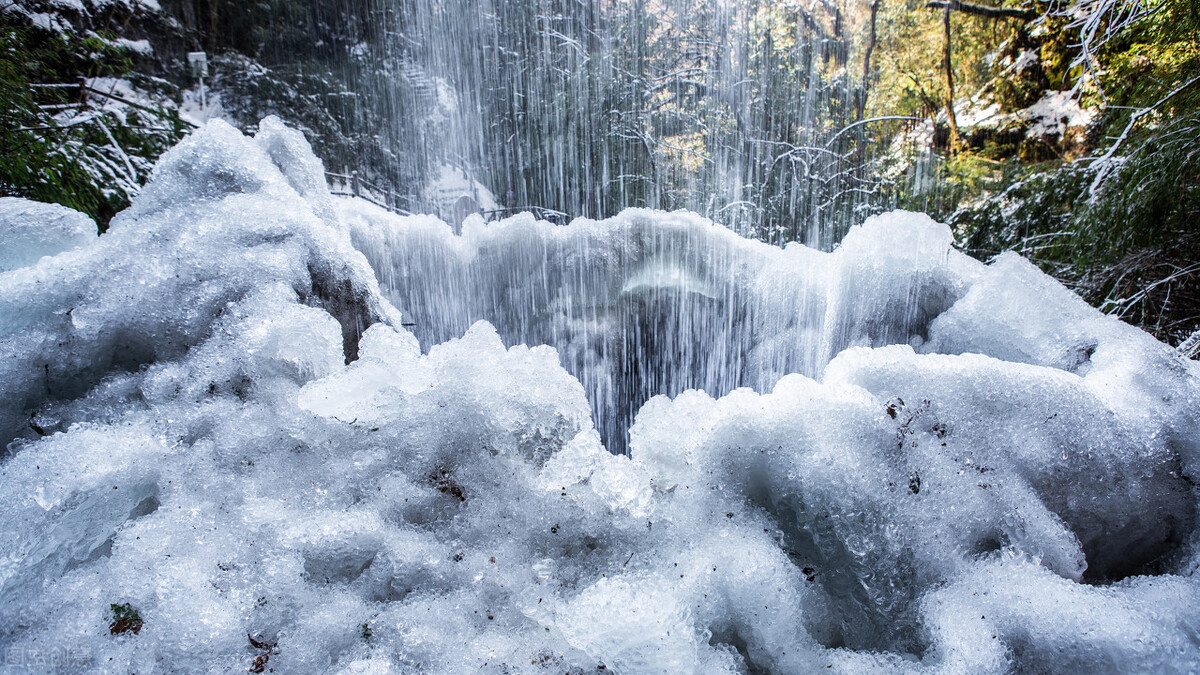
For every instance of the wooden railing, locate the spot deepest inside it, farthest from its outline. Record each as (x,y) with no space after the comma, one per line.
(541,213)
(385,198)
(351,185)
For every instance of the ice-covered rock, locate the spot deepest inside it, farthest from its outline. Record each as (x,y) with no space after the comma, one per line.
(230,454)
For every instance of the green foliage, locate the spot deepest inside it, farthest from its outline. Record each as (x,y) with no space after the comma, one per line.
(1154,199)
(1144,232)
(1131,248)
(1154,56)
(62,142)
(125,619)
(1033,216)
(1124,232)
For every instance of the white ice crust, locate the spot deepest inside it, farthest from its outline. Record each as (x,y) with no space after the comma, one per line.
(215,415)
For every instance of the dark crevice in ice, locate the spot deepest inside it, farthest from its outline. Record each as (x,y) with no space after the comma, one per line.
(345,301)
(730,636)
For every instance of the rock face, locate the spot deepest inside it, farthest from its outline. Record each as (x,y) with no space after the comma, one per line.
(223,433)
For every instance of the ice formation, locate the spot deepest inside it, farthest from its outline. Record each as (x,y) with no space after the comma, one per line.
(31,230)
(228,452)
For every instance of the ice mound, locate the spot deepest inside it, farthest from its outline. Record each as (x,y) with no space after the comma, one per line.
(31,230)
(219,220)
(228,453)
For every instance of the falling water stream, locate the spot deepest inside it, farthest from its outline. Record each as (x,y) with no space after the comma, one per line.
(741,111)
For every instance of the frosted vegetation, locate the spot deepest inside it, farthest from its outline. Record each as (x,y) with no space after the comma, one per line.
(251,427)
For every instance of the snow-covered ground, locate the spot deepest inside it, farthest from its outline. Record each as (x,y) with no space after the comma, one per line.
(227,452)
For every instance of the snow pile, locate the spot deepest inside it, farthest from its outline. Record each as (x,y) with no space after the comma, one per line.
(229,453)
(1055,113)
(220,221)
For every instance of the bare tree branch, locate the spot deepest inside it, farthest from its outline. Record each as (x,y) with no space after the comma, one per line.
(1099,21)
(983,10)
(1104,164)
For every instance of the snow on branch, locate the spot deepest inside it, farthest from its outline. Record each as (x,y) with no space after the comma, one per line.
(1104,164)
(1099,21)
(1190,347)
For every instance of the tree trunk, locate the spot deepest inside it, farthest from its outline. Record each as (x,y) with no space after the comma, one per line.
(866,71)
(955,140)
(214,15)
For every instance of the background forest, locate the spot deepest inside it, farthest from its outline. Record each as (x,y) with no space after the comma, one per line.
(1067,131)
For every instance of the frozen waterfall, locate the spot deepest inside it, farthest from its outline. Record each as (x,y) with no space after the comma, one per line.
(649,304)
